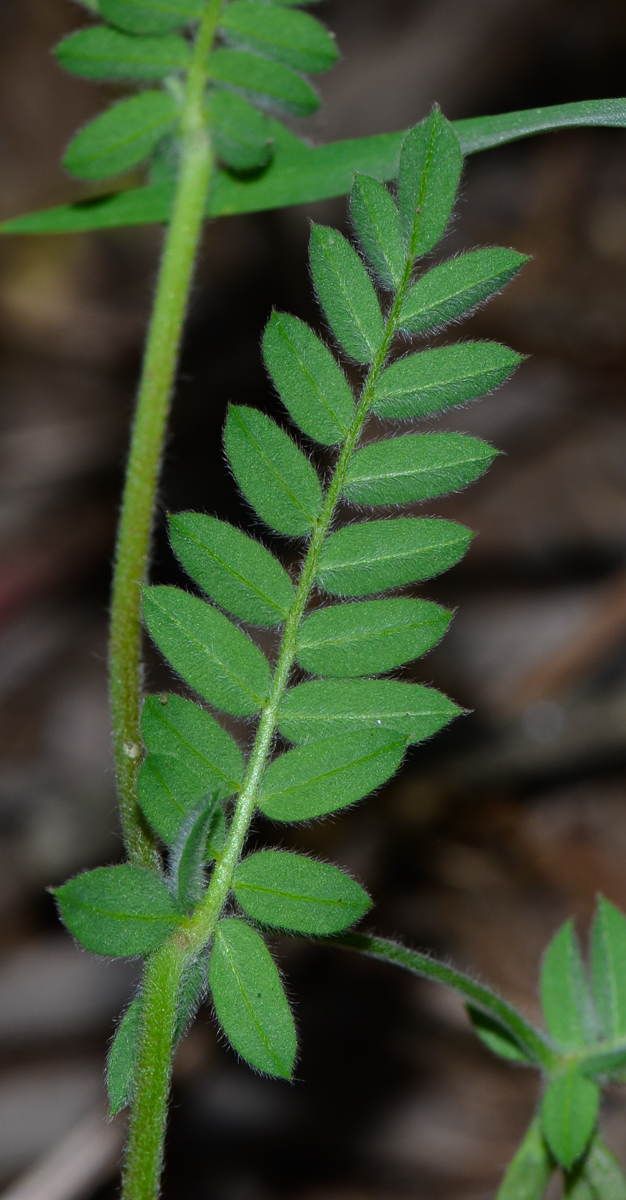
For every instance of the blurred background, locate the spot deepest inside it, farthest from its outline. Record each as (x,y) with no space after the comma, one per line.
(496,831)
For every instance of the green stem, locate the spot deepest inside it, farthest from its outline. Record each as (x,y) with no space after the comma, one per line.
(148,434)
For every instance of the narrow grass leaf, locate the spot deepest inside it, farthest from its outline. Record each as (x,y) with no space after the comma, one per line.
(430,168)
(241,133)
(211,654)
(309,381)
(290,891)
(232,568)
(292,38)
(329,774)
(375,217)
(249,999)
(323,707)
(122,1058)
(269,83)
(121,137)
(608,960)
(528,1173)
(167,790)
(121,911)
(346,293)
(434,380)
(107,54)
(455,288)
(496,1037)
(150,16)
(273,474)
(565,998)
(415,467)
(569,1112)
(173,726)
(370,637)
(374,555)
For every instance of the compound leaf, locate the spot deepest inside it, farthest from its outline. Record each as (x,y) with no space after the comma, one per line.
(415,467)
(346,293)
(370,637)
(433,380)
(167,790)
(430,168)
(150,16)
(322,707)
(122,1058)
(290,891)
(122,136)
(456,287)
(241,133)
(495,1036)
(235,570)
(565,998)
(310,382)
(172,726)
(274,476)
(377,224)
(569,1111)
(268,83)
(329,774)
(608,960)
(249,999)
(292,38)
(103,53)
(211,654)
(121,911)
(374,555)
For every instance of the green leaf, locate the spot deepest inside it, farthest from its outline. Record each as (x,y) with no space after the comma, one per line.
(292,38)
(529,1172)
(374,555)
(122,911)
(370,637)
(122,136)
(290,891)
(457,287)
(565,998)
(600,1172)
(167,790)
(122,1058)
(329,774)
(235,570)
(377,224)
(608,960)
(495,1036)
(150,16)
(249,999)
(189,854)
(569,1111)
(240,133)
(310,382)
(211,654)
(268,83)
(428,382)
(430,168)
(103,53)
(323,707)
(177,727)
(275,477)
(346,293)
(415,467)
(192,991)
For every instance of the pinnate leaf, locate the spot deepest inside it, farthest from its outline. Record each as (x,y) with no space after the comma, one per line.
(310,383)
(121,911)
(374,555)
(433,380)
(292,38)
(608,960)
(103,53)
(369,637)
(346,293)
(269,83)
(415,467)
(122,136)
(241,134)
(495,1036)
(122,1058)
(150,16)
(375,216)
(565,998)
(249,999)
(232,568)
(430,168)
(329,774)
(273,474)
(211,654)
(323,707)
(290,891)
(456,287)
(172,726)
(569,1112)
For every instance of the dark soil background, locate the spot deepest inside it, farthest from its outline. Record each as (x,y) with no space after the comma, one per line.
(496,831)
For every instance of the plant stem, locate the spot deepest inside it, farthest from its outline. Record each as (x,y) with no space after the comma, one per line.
(149,428)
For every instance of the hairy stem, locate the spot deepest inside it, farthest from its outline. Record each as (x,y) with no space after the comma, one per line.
(148,435)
